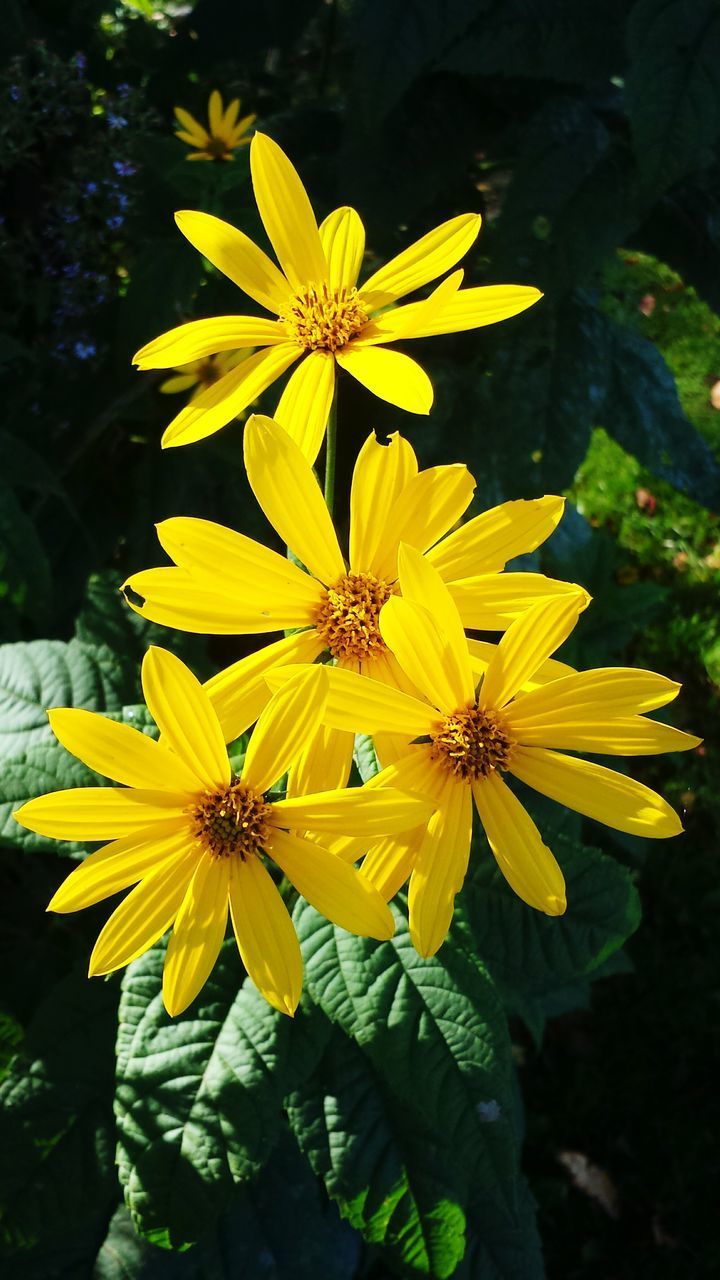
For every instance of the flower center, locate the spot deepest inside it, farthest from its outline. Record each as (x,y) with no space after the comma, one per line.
(208,372)
(472,743)
(232,822)
(319,317)
(347,619)
(217,148)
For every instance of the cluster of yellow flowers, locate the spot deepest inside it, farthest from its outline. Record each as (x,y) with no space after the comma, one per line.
(374,643)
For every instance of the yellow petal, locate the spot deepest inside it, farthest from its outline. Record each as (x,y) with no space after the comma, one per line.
(304,405)
(286,213)
(192,126)
(431,502)
(239,134)
(254,578)
(201,338)
(324,764)
(401,322)
(182,383)
(492,601)
(486,543)
(223,400)
(197,934)
(608,691)
(265,935)
(98,813)
(423,586)
(527,644)
(284,485)
(343,240)
(177,598)
(526,863)
(361,705)
(600,735)
(333,887)
(381,473)
(233,253)
(388,374)
(440,867)
(120,752)
(424,652)
(120,864)
(470,309)
(596,792)
(286,724)
(215,113)
(239,692)
(144,916)
(356,811)
(429,257)
(389,862)
(231,115)
(481,651)
(185,716)
(191,139)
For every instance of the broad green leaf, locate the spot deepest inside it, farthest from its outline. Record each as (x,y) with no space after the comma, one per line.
(365,757)
(377,1163)
(503,1240)
(673,87)
(435,1035)
(41,674)
(57,1177)
(534,958)
(198,1100)
(25,580)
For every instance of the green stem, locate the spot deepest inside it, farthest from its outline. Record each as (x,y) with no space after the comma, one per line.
(330,449)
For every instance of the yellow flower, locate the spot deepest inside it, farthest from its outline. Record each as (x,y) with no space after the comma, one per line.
(461,740)
(225,133)
(190,835)
(225,583)
(322,315)
(199,374)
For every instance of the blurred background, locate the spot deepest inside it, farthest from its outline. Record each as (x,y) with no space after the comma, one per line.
(587,135)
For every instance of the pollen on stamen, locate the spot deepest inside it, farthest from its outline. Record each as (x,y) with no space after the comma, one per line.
(233,821)
(323,319)
(348,617)
(473,743)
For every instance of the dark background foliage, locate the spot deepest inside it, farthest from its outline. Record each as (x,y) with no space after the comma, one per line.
(587,135)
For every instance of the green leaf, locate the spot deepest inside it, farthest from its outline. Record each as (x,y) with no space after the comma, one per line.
(503,1241)
(642,412)
(673,87)
(533,957)
(49,673)
(198,1100)
(57,1177)
(434,1033)
(25,580)
(376,1162)
(365,757)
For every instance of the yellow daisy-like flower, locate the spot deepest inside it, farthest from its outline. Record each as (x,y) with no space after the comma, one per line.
(191,836)
(460,741)
(224,134)
(225,583)
(199,374)
(322,317)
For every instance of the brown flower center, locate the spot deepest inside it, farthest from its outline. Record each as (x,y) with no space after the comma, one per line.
(208,372)
(321,318)
(347,619)
(217,148)
(472,743)
(232,822)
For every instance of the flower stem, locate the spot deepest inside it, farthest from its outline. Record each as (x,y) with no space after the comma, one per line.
(330,448)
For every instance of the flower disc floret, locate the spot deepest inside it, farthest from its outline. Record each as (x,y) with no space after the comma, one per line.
(319,318)
(348,618)
(473,743)
(233,822)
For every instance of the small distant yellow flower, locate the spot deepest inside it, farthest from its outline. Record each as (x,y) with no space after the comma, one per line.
(225,583)
(461,740)
(224,134)
(197,375)
(323,317)
(191,835)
